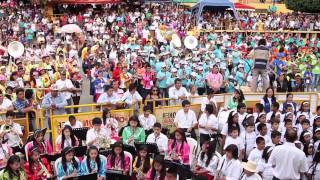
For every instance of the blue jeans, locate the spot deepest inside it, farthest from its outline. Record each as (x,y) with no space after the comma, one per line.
(316,80)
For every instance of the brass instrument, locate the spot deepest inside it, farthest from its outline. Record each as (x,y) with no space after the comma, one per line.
(140,174)
(104,142)
(131,138)
(22,176)
(9,128)
(46,172)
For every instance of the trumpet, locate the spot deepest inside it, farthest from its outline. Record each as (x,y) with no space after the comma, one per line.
(46,172)
(140,174)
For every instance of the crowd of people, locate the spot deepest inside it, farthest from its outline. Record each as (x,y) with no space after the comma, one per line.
(138,54)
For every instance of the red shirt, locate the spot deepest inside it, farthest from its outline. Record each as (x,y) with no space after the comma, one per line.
(116,74)
(35,169)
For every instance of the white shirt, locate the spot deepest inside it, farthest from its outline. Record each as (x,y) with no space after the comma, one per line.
(316,172)
(161,141)
(205,101)
(255,176)
(236,141)
(210,121)
(288,161)
(13,139)
(105,98)
(249,140)
(78,124)
(230,168)
(255,155)
(212,166)
(6,103)
(185,120)
(147,122)
(266,138)
(175,93)
(92,134)
(129,98)
(266,169)
(67,142)
(65,84)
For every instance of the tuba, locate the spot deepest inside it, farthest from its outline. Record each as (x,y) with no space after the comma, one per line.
(46,172)
(190,42)
(15,49)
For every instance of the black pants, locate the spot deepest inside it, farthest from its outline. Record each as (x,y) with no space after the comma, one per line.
(68,110)
(76,101)
(193,133)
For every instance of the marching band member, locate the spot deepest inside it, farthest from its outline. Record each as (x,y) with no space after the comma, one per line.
(229,167)
(37,168)
(12,132)
(95,134)
(73,122)
(158,170)
(133,133)
(94,163)
(110,123)
(160,139)
(207,162)
(178,148)
(142,163)
(117,160)
(69,166)
(66,139)
(44,146)
(13,170)
(5,152)
(147,119)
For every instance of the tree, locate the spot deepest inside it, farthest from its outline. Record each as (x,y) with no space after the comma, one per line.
(310,6)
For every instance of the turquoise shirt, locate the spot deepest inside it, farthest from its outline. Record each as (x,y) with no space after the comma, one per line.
(93,165)
(70,168)
(200,81)
(159,66)
(163,76)
(170,81)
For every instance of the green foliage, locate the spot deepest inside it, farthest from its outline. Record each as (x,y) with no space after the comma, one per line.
(309,6)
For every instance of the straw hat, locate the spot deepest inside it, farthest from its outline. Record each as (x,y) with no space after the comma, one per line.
(249,166)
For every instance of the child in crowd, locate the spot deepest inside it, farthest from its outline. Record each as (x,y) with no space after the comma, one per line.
(68,166)
(262,120)
(275,139)
(158,170)
(242,111)
(257,110)
(287,125)
(117,160)
(248,136)
(263,132)
(94,162)
(256,154)
(73,122)
(234,138)
(274,111)
(142,163)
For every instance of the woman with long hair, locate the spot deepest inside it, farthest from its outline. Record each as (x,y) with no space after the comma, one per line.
(94,163)
(268,99)
(154,94)
(158,170)
(233,121)
(68,166)
(66,139)
(208,160)
(208,124)
(237,98)
(35,167)
(110,123)
(289,101)
(229,165)
(263,167)
(305,110)
(117,160)
(314,170)
(142,163)
(13,170)
(134,132)
(178,148)
(38,140)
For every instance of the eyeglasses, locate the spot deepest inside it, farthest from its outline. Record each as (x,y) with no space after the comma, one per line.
(155,90)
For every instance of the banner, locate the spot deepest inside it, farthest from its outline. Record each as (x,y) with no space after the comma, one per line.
(166,114)
(122,116)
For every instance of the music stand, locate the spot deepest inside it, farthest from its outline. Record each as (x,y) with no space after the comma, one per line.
(152,147)
(130,149)
(105,152)
(80,151)
(85,177)
(81,133)
(183,171)
(116,175)
(51,157)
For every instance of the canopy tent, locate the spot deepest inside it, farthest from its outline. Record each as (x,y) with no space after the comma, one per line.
(86,1)
(220,4)
(243,7)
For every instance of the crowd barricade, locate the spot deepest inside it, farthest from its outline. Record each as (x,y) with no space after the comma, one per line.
(57,121)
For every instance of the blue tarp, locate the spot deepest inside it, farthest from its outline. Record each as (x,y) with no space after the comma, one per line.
(225,4)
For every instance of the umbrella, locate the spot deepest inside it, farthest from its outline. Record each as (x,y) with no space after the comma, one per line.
(70,28)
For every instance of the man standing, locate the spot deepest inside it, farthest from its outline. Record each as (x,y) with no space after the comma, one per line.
(66,87)
(261,56)
(186,119)
(288,162)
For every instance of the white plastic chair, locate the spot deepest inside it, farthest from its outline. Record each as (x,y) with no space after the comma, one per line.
(193,144)
(130,157)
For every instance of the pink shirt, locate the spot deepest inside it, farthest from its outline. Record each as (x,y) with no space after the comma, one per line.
(147,80)
(183,153)
(214,80)
(118,161)
(46,145)
(4,151)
